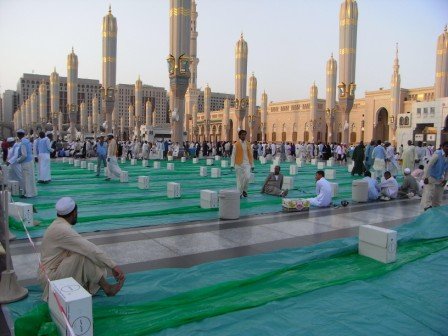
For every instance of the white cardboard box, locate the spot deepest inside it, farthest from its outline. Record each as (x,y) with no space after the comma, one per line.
(378,243)
(262,160)
(330,162)
(272,168)
(77,163)
(313,161)
(14,187)
(173,190)
(170,166)
(95,167)
(217,158)
(71,161)
(224,164)
(209,199)
(350,167)
(276,162)
(299,163)
(143,182)
(183,159)
(124,176)
(133,162)
(64,159)
(156,164)
(320,165)
(90,166)
(203,171)
(293,169)
(330,174)
(145,163)
(288,182)
(123,160)
(209,162)
(170,158)
(22,211)
(334,189)
(216,172)
(195,160)
(83,164)
(77,304)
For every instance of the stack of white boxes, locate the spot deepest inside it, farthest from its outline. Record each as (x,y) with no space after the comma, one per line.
(76,302)
(293,169)
(313,161)
(183,159)
(209,162)
(262,160)
(14,187)
(203,171)
(360,191)
(298,160)
(123,160)
(217,158)
(224,164)
(195,160)
(145,163)
(330,174)
(173,190)
(77,163)
(95,167)
(320,165)
(22,211)
(209,199)
(276,162)
(216,172)
(71,161)
(378,243)
(334,189)
(330,162)
(143,182)
(272,168)
(170,158)
(170,166)
(350,167)
(124,176)
(156,165)
(64,159)
(90,166)
(288,182)
(133,162)
(300,163)
(83,164)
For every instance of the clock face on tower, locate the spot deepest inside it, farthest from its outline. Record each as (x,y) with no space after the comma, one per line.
(110,93)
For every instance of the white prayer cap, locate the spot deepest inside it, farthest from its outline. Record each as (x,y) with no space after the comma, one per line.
(407,171)
(65,205)
(20,131)
(110,134)
(49,132)
(10,139)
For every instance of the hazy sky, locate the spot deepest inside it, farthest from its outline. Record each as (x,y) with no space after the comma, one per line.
(289,41)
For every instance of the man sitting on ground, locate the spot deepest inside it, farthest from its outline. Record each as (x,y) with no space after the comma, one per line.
(389,187)
(273,184)
(65,253)
(323,191)
(410,186)
(374,188)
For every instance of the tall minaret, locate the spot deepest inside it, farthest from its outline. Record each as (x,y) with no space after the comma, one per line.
(54,100)
(138,106)
(348,26)
(43,104)
(241,52)
(441,83)
(109,62)
(83,117)
(131,122)
(264,115)
(194,122)
(226,120)
(28,113)
(207,107)
(179,64)
(95,114)
(330,102)
(149,127)
(252,106)
(34,107)
(395,99)
(192,94)
(313,113)
(72,91)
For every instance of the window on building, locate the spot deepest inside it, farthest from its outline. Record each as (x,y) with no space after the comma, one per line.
(425,112)
(419,112)
(432,111)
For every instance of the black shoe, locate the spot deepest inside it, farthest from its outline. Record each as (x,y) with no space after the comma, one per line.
(107,179)
(23,196)
(428,207)
(244,194)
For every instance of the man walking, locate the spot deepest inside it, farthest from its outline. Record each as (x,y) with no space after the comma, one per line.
(243,162)
(101,152)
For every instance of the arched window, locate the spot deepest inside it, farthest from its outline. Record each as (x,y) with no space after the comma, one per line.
(401,121)
(406,121)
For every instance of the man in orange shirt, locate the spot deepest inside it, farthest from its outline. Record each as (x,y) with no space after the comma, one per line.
(243,162)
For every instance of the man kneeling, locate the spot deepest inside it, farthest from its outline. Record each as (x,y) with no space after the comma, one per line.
(65,253)
(273,184)
(323,191)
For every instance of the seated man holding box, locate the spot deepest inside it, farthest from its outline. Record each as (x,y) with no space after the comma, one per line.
(65,253)
(273,184)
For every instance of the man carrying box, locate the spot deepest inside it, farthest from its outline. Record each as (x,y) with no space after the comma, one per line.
(65,253)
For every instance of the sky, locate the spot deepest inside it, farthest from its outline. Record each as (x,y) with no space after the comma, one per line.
(289,41)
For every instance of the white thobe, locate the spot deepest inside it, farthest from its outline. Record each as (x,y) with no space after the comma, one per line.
(242,170)
(15,169)
(323,191)
(389,187)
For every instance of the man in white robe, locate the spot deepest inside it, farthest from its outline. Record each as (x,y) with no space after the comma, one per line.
(242,161)
(26,161)
(113,170)
(43,150)
(409,156)
(389,187)
(15,169)
(323,191)
(65,253)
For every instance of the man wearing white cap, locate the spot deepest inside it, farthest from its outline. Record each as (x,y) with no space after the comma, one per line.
(65,253)
(410,187)
(44,149)
(15,169)
(113,169)
(26,161)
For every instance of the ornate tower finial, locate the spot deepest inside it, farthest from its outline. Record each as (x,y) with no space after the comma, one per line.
(396,49)
(331,55)
(73,50)
(242,35)
(110,9)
